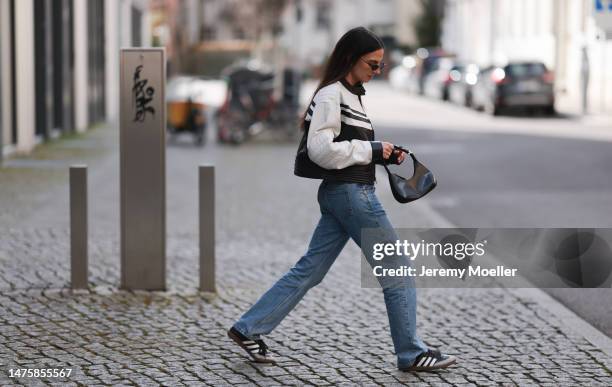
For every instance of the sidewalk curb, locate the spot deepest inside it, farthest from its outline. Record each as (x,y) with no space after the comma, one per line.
(570,320)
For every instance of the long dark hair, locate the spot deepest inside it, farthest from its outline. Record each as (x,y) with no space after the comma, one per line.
(352,45)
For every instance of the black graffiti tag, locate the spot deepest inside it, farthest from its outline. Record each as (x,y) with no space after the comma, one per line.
(142,96)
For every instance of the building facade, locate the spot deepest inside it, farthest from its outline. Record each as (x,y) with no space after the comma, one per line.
(560,33)
(59,65)
(311,28)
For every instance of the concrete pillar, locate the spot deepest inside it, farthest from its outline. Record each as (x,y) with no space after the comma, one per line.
(24,74)
(81,111)
(125,23)
(5,74)
(112,46)
(493,32)
(145,26)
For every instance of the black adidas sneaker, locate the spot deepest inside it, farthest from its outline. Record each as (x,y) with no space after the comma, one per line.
(431,360)
(257,349)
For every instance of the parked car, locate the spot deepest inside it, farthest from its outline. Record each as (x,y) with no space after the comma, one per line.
(444,72)
(463,80)
(517,85)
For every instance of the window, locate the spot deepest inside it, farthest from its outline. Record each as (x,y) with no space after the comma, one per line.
(63,66)
(323,14)
(526,70)
(43,65)
(96,59)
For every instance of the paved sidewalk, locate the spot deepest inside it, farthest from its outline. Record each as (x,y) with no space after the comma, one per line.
(338,335)
(117,337)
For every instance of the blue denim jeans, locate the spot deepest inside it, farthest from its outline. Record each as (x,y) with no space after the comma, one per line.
(346,208)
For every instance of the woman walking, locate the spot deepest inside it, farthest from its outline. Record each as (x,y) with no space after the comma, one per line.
(339,148)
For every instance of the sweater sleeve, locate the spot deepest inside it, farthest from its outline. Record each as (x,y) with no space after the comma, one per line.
(325,126)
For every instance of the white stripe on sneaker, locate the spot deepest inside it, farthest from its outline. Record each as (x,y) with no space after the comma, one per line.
(246,342)
(429,359)
(433,362)
(421,361)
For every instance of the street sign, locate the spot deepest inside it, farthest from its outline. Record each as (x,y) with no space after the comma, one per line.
(602,12)
(143,168)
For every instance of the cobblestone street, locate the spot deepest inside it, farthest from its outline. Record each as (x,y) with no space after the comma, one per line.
(338,335)
(117,337)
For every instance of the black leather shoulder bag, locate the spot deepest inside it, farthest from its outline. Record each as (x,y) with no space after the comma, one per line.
(420,184)
(303,166)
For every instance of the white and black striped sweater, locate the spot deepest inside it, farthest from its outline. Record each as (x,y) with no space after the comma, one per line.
(339,137)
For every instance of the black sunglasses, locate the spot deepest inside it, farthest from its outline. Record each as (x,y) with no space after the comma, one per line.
(375,66)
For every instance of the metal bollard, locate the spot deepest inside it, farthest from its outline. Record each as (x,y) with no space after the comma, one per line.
(207,227)
(78,227)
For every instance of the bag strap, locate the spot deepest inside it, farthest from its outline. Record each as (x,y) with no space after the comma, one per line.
(400,148)
(405,150)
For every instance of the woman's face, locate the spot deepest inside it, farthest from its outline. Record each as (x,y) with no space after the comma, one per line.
(362,71)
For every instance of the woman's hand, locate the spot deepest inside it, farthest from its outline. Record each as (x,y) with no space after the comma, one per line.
(388,150)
